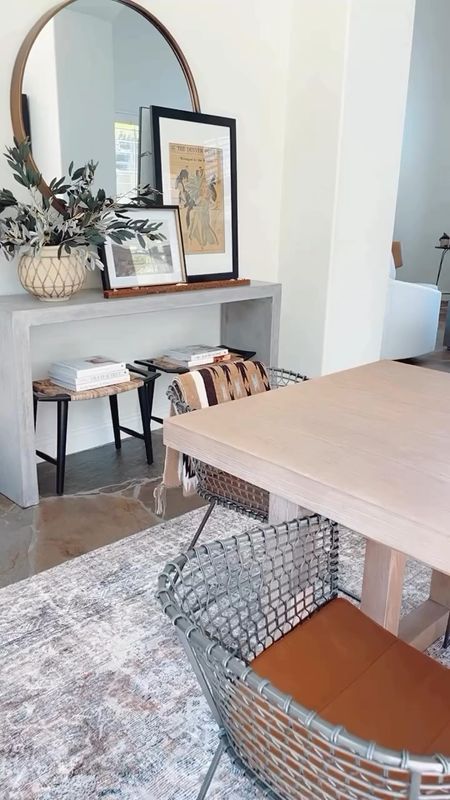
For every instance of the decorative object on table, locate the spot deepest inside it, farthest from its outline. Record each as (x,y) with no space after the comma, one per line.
(175,288)
(197,355)
(91,372)
(210,386)
(195,167)
(172,366)
(48,275)
(140,262)
(273,646)
(444,245)
(48,391)
(167,364)
(58,238)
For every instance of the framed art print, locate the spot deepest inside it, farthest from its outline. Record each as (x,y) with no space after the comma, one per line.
(161,261)
(195,168)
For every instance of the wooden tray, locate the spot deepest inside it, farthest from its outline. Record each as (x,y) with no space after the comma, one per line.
(174,287)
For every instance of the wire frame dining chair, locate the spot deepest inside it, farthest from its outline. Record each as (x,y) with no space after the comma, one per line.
(229,600)
(221,488)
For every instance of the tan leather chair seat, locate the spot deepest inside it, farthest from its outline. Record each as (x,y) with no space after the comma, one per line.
(356,674)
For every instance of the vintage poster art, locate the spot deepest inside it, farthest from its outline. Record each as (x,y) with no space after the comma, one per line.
(196,177)
(195,168)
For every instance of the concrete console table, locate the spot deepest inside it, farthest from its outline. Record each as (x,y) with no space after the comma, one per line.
(250,318)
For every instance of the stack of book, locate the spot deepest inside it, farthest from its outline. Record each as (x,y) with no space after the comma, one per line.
(197,355)
(91,372)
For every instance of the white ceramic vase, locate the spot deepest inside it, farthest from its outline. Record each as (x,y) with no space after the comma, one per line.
(51,278)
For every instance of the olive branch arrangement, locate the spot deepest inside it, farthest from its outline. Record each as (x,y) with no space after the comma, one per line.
(72,217)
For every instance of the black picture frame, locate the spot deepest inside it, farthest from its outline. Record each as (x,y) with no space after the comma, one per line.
(194,117)
(107,283)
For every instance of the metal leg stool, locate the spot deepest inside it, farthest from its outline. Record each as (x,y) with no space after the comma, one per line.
(48,392)
(62,401)
(145,394)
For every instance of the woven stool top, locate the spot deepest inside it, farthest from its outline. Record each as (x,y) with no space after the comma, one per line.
(50,389)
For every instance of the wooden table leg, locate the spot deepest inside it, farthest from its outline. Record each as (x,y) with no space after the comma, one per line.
(383,585)
(440,588)
(382,590)
(281,510)
(426,623)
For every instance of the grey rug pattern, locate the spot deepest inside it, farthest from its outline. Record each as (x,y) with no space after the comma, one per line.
(96,697)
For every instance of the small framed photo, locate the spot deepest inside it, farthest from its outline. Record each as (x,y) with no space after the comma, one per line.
(159,262)
(195,168)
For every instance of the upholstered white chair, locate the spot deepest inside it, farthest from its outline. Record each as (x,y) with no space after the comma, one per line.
(411,318)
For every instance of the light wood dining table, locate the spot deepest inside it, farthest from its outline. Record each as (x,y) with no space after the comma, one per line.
(368,447)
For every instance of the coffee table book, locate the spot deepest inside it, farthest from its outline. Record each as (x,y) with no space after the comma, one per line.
(88,373)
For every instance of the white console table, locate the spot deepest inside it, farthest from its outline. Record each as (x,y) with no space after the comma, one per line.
(250,319)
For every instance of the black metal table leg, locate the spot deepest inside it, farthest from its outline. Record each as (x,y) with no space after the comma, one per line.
(115,420)
(35,409)
(145,416)
(63,410)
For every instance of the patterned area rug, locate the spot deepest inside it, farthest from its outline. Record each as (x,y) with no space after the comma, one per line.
(97,699)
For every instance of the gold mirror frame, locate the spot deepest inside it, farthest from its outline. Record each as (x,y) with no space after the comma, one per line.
(18,125)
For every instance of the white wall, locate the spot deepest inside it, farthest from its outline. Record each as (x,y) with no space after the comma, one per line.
(375,90)
(240,70)
(316,74)
(423,209)
(347,77)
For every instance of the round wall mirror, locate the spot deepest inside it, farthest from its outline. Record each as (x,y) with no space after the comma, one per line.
(83,84)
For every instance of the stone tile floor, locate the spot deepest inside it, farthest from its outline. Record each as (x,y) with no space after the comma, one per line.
(109,496)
